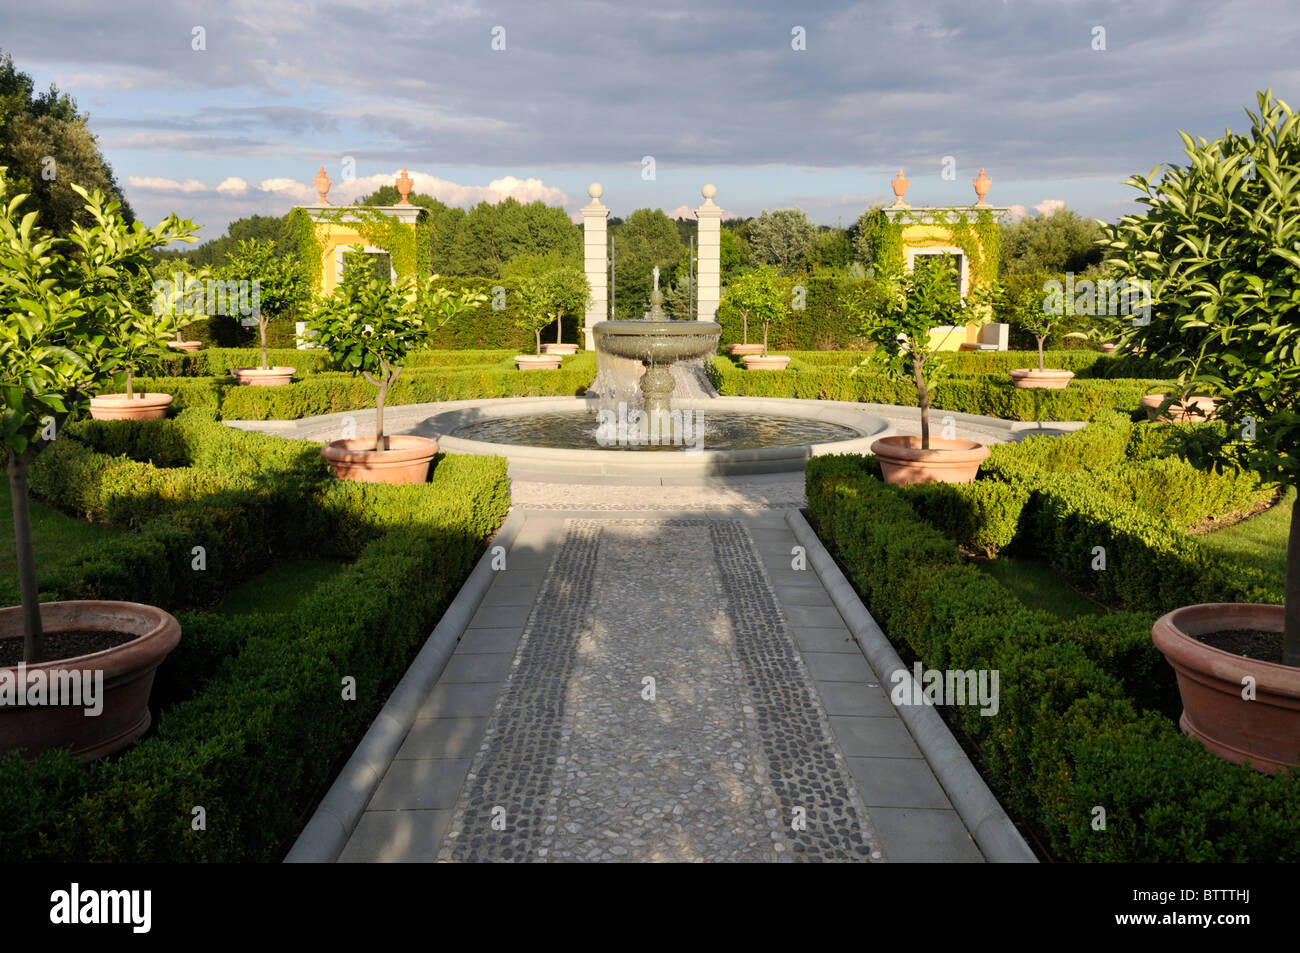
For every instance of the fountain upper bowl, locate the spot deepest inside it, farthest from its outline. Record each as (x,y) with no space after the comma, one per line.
(657,341)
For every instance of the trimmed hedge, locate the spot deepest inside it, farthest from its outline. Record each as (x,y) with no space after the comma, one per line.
(325,392)
(1078,725)
(988,395)
(252,723)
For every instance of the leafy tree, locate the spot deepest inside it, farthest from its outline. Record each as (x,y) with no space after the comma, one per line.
(61,299)
(831,249)
(648,238)
(864,251)
(1027,309)
(549,297)
(899,318)
(733,252)
(443,220)
(490,235)
(1219,246)
(1063,241)
(369,325)
(47,145)
(217,252)
(782,238)
(281,284)
(762,294)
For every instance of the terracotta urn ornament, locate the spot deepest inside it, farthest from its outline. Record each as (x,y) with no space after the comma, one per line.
(981,183)
(404,184)
(129,407)
(899,185)
(115,680)
(322,183)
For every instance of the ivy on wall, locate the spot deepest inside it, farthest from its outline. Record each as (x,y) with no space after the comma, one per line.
(977,236)
(310,250)
(410,249)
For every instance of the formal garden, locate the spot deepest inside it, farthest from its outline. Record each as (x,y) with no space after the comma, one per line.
(269,578)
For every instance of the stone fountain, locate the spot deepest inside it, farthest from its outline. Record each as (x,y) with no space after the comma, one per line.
(658,343)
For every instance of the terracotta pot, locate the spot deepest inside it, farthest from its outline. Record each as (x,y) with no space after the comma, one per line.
(534,362)
(263,376)
(406,460)
(1197,409)
(127,672)
(188,346)
(765,362)
(562,350)
(947,461)
(139,407)
(1266,730)
(1109,348)
(738,350)
(1048,379)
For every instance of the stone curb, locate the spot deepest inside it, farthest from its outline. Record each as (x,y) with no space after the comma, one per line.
(328,830)
(979,810)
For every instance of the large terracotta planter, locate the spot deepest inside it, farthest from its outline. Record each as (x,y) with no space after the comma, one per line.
(263,376)
(1265,731)
(947,461)
(1196,410)
(765,362)
(535,362)
(120,407)
(406,459)
(739,350)
(128,671)
(1048,379)
(1109,348)
(563,350)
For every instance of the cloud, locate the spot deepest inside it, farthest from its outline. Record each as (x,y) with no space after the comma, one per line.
(154,184)
(1049,207)
(233,186)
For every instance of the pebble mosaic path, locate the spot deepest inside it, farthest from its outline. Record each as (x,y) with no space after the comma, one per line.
(657,710)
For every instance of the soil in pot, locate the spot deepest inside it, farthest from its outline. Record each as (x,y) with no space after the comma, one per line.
(1259,644)
(68,644)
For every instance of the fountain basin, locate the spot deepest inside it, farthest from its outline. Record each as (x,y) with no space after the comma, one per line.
(662,465)
(658,342)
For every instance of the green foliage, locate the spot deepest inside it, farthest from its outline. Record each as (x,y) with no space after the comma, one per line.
(783,239)
(549,297)
(278,285)
(46,144)
(491,235)
(242,729)
(1071,731)
(646,240)
(1059,242)
(763,295)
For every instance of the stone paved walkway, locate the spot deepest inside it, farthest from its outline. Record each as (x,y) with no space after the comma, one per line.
(659,685)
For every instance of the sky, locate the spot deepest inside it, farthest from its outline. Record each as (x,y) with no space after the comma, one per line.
(218,110)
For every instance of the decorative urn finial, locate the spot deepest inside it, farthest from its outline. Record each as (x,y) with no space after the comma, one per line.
(899,185)
(322,182)
(981,183)
(404,183)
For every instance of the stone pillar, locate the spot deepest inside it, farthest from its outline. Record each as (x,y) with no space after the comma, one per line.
(595,259)
(709,253)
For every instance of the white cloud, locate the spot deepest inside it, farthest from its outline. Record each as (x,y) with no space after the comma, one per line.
(1049,207)
(155,184)
(233,186)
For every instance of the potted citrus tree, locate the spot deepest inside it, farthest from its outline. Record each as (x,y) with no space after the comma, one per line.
(1224,314)
(369,326)
(279,288)
(560,292)
(542,299)
(899,319)
(58,297)
(181,295)
(764,295)
(137,335)
(1035,313)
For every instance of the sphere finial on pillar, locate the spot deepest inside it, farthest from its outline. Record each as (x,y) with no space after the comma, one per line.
(709,191)
(595,190)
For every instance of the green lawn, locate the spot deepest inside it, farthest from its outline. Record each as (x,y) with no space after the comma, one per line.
(281,587)
(1038,587)
(55,538)
(1259,541)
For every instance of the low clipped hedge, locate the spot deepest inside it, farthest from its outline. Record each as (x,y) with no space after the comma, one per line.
(1085,707)
(989,395)
(251,723)
(430,376)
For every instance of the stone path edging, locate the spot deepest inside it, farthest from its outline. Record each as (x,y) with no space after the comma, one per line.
(983,816)
(328,830)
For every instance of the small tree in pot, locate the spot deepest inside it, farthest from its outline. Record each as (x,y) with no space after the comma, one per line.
(369,326)
(1219,246)
(549,297)
(1037,313)
(899,321)
(137,335)
(276,287)
(764,295)
(57,297)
